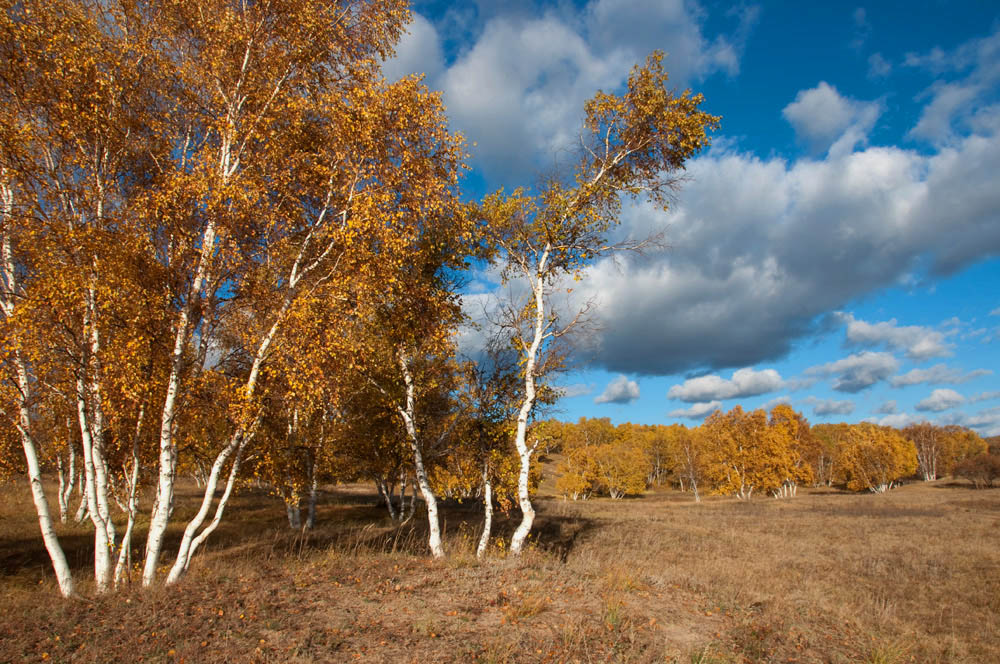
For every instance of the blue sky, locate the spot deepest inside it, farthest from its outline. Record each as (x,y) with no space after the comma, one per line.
(837,248)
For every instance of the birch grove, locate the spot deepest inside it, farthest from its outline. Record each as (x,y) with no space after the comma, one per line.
(179,181)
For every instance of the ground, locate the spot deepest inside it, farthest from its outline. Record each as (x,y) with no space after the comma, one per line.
(828,576)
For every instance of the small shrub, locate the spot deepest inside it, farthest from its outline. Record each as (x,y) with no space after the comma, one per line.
(982,470)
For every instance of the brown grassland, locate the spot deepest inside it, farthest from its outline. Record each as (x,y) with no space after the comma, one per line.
(911,576)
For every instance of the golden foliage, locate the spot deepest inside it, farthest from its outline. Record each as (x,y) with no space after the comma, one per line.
(874,457)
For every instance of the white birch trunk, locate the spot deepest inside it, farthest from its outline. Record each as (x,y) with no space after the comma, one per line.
(240,437)
(520,442)
(52,545)
(484,539)
(125,546)
(102,547)
(23,423)
(407,512)
(229,164)
(132,505)
(313,491)
(294,514)
(163,505)
(384,493)
(188,540)
(66,483)
(95,417)
(408,415)
(178,571)
(81,509)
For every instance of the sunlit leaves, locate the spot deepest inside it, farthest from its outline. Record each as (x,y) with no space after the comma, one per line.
(873,457)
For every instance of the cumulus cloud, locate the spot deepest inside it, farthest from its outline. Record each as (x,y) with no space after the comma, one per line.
(518,91)
(859,371)
(963,94)
(985,422)
(744,383)
(619,390)
(896,420)
(697,411)
(762,249)
(776,401)
(824,119)
(887,408)
(939,373)
(984,396)
(575,390)
(941,399)
(920,343)
(418,52)
(823,407)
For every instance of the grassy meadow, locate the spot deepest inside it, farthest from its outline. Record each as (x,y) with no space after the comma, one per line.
(828,576)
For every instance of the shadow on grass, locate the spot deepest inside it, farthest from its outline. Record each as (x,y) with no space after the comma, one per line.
(350,520)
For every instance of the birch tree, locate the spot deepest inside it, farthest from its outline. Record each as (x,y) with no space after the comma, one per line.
(874,458)
(929,441)
(631,144)
(489,396)
(689,451)
(795,430)
(410,364)
(940,449)
(745,454)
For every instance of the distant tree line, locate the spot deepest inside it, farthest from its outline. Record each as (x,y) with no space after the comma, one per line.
(757,453)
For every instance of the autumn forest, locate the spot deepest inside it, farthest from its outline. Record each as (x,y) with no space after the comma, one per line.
(233,261)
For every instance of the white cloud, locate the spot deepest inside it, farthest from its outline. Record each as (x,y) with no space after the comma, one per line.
(697,411)
(518,91)
(948,99)
(878,66)
(862,28)
(418,52)
(825,119)
(985,422)
(776,401)
(896,420)
(939,373)
(995,312)
(575,390)
(744,383)
(887,408)
(619,390)
(760,249)
(859,371)
(984,396)
(966,100)
(941,399)
(823,407)
(920,343)
(671,25)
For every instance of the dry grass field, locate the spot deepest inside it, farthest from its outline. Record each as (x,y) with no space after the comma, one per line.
(912,576)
